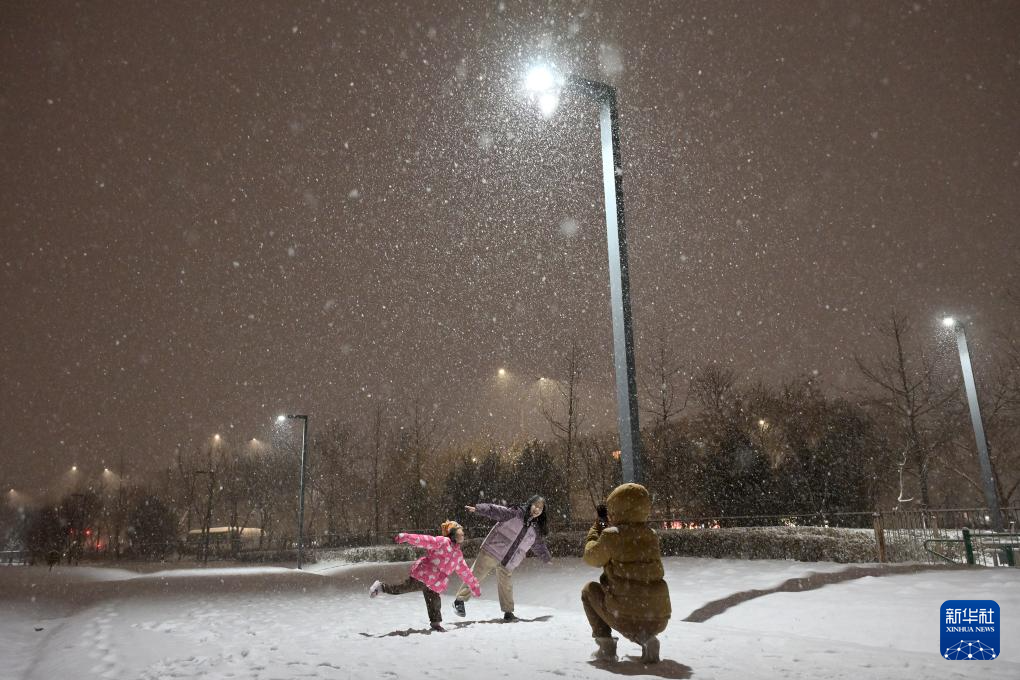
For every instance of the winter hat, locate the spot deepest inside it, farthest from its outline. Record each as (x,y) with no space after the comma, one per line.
(450,526)
(629,504)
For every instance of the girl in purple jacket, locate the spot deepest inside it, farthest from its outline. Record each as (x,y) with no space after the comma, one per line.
(517,530)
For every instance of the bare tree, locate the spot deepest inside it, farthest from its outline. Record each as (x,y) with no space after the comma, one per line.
(378,441)
(1000,412)
(913,392)
(184,490)
(666,384)
(713,389)
(565,419)
(600,465)
(1009,377)
(274,490)
(419,442)
(237,475)
(333,476)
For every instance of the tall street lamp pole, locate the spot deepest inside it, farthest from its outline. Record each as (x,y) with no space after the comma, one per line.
(301,492)
(542,81)
(988,480)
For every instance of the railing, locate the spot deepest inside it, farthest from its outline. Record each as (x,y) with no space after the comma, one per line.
(12,557)
(978,548)
(934,536)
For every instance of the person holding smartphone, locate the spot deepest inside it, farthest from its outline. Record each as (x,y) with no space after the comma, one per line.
(631,597)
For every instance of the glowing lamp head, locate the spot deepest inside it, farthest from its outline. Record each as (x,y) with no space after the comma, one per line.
(949,322)
(540,79)
(543,87)
(280,419)
(501,372)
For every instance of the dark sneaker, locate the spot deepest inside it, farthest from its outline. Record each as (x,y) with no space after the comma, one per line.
(458,606)
(438,627)
(509,616)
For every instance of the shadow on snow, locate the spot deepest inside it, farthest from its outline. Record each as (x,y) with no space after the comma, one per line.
(632,665)
(456,625)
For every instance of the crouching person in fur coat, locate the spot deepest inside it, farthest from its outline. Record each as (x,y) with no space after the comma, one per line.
(631,596)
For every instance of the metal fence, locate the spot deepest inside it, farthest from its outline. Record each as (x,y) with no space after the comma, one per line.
(936,536)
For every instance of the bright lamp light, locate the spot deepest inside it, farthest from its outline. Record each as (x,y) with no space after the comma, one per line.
(542,85)
(540,79)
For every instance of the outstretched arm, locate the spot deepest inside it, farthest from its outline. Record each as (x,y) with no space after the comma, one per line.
(469,578)
(421,540)
(495,512)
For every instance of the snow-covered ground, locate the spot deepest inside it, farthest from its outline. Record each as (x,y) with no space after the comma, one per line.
(84,623)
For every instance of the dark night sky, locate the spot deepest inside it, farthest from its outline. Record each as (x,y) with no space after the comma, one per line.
(217,211)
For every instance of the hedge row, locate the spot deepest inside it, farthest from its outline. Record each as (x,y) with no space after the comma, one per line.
(806,544)
(774,543)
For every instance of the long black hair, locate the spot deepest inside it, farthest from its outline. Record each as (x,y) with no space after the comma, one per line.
(540,522)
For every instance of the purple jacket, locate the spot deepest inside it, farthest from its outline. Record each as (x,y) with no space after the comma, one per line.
(509,541)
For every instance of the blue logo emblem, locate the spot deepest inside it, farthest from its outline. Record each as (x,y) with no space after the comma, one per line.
(970,630)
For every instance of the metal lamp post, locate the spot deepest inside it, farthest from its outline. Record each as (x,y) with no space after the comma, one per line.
(542,82)
(301,493)
(988,480)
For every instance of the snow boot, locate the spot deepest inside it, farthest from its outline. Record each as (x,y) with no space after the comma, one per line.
(375,589)
(508,617)
(458,606)
(650,650)
(606,650)
(438,627)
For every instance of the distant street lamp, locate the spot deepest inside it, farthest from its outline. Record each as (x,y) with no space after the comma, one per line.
(545,86)
(988,480)
(301,493)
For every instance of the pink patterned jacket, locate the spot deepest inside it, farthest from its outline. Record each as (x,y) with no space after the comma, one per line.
(443,558)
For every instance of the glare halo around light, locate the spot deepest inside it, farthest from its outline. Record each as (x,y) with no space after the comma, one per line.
(540,80)
(542,85)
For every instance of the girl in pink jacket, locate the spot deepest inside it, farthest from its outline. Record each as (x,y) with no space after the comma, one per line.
(430,574)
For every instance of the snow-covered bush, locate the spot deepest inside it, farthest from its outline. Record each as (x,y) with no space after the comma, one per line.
(808,544)
(283,555)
